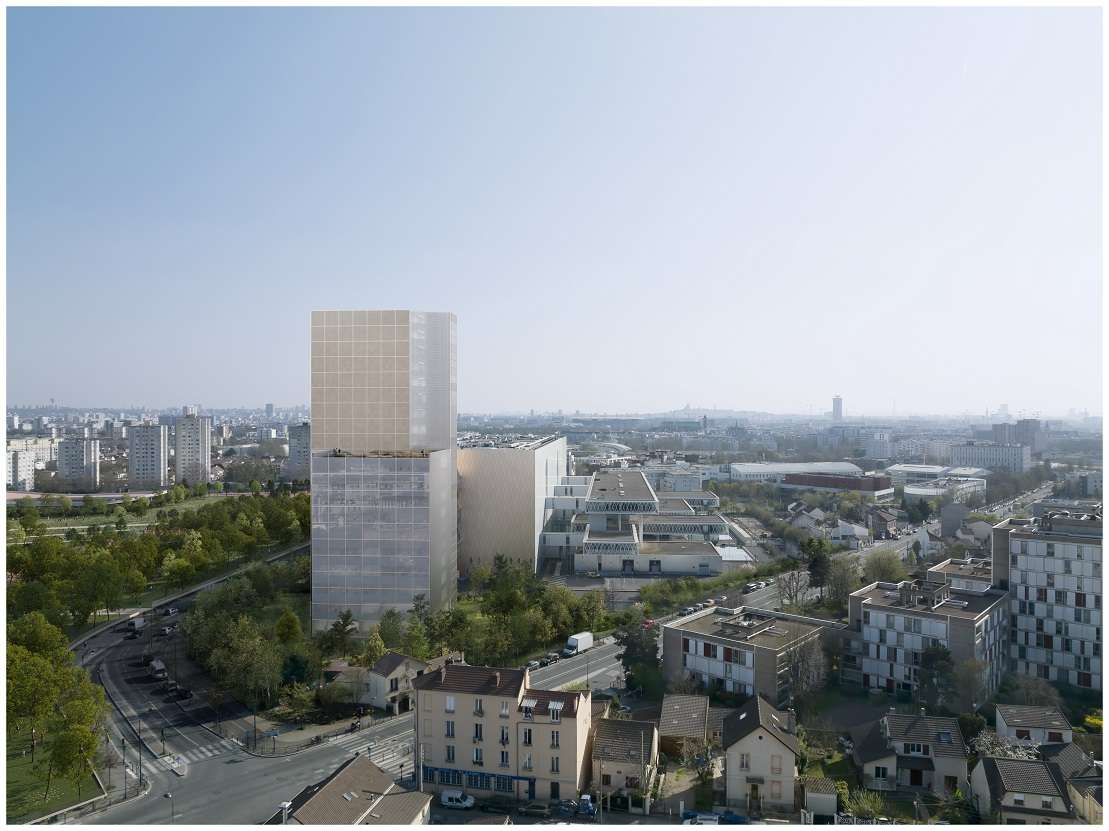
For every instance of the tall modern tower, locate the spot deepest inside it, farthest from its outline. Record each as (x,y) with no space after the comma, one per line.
(192,449)
(837,408)
(384,475)
(147,456)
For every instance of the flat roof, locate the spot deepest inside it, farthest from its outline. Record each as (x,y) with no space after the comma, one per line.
(976,604)
(621,485)
(906,468)
(506,442)
(679,519)
(980,569)
(1080,527)
(671,547)
(687,495)
(752,627)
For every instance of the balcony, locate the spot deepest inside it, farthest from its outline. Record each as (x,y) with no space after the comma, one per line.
(477,739)
(479,763)
(875,783)
(504,741)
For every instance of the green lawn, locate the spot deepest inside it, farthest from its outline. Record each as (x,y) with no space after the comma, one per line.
(190,504)
(26,785)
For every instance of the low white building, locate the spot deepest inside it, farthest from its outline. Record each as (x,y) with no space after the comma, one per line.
(958,488)
(1033,725)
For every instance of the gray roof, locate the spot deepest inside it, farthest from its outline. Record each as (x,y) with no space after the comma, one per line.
(1018,715)
(475,680)
(388,663)
(621,740)
(1024,776)
(683,716)
(1071,760)
(927,730)
(817,784)
(869,743)
(755,713)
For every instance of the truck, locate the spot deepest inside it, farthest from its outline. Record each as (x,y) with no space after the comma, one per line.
(576,644)
(135,624)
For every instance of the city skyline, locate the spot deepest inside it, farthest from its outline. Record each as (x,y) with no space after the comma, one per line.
(933,179)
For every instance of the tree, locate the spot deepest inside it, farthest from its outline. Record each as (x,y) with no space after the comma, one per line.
(287,629)
(415,639)
(391,628)
(843,578)
(807,665)
(935,685)
(970,725)
(884,566)
(696,755)
(37,635)
(988,743)
(341,632)
(375,647)
(969,684)
(72,752)
(819,564)
(866,804)
(791,589)
(916,550)
(480,575)
(1034,692)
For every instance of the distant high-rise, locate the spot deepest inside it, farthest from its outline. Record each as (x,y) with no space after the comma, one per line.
(300,451)
(79,463)
(837,408)
(383,467)
(192,449)
(269,411)
(147,456)
(189,410)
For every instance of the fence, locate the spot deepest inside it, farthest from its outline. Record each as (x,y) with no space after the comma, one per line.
(261,744)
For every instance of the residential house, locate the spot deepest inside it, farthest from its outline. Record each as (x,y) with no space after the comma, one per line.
(882,523)
(761,758)
(1083,777)
(850,535)
(1033,725)
(902,752)
(624,762)
(682,717)
(387,685)
(1020,792)
(487,730)
(358,792)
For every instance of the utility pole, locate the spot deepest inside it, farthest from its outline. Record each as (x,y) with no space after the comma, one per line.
(420,773)
(123,745)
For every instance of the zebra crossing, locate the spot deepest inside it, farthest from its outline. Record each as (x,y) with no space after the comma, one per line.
(387,753)
(197,754)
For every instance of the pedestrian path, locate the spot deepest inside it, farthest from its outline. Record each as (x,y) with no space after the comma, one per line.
(389,754)
(198,754)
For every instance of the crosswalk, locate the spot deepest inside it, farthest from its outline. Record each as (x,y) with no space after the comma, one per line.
(387,753)
(197,754)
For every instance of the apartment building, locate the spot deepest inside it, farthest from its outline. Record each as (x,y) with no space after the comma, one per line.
(79,463)
(41,450)
(1014,458)
(1051,567)
(21,470)
(503,491)
(192,449)
(745,650)
(487,731)
(299,464)
(384,462)
(148,456)
(957,607)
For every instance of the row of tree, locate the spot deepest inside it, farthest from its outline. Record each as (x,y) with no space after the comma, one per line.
(53,699)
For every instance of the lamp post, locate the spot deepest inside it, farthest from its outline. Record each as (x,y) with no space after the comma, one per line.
(169,796)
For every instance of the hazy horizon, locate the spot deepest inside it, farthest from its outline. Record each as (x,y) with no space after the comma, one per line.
(749,209)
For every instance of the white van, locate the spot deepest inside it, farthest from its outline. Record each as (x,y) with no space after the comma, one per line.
(456,799)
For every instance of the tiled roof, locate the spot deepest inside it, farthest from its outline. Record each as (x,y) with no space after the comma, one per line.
(755,713)
(1017,715)
(544,698)
(1071,759)
(869,743)
(358,792)
(1005,776)
(943,734)
(683,716)
(817,784)
(388,663)
(476,680)
(623,739)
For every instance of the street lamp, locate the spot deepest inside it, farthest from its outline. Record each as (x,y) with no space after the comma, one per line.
(169,796)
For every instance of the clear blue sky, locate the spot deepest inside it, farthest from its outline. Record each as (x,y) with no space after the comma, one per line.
(628,210)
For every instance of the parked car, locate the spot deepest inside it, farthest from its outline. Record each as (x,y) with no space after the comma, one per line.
(170,611)
(730,817)
(536,809)
(184,694)
(452,798)
(533,665)
(687,610)
(702,819)
(497,805)
(720,601)
(750,587)
(544,661)
(552,657)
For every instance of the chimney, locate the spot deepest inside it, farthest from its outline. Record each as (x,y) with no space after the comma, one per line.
(443,673)
(923,712)
(893,710)
(497,678)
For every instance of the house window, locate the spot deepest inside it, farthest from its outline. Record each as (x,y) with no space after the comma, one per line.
(556,715)
(478,732)
(1024,734)
(527,737)
(880,772)
(1047,802)
(504,709)
(478,709)
(1079,599)
(744,761)
(478,758)
(450,729)
(606,779)
(504,735)
(685,644)
(450,754)
(914,747)
(554,738)
(1054,737)
(450,704)
(527,762)
(1051,549)
(1018,799)
(775,764)
(504,758)
(775,790)
(554,764)
(394,684)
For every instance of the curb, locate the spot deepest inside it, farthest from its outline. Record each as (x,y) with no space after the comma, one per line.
(119,709)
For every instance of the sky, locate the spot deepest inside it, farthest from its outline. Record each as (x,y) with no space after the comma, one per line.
(628,210)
